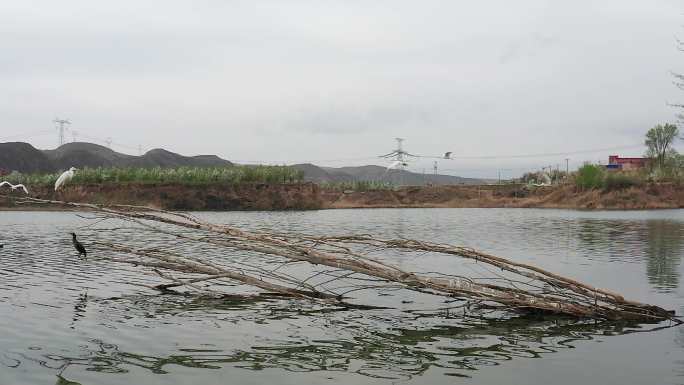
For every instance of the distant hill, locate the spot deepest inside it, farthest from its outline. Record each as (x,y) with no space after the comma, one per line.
(315,173)
(25,158)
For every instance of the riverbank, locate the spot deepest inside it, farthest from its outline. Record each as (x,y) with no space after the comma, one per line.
(309,196)
(217,197)
(654,196)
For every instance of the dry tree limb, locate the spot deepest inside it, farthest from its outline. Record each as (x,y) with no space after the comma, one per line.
(546,291)
(180,264)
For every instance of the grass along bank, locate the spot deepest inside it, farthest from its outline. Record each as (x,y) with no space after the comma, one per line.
(281,188)
(233,175)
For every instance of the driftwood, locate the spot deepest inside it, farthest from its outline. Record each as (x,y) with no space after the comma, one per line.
(343,265)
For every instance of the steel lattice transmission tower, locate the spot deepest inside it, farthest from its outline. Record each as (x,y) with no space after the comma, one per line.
(61,127)
(399,156)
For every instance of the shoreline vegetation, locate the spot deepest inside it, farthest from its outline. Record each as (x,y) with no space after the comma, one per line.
(284,188)
(310,196)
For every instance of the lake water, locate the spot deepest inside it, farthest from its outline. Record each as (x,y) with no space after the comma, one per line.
(64,320)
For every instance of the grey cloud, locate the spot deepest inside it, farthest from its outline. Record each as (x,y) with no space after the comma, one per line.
(350,120)
(532,45)
(307,80)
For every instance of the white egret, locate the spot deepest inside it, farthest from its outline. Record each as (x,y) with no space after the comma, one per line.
(65,177)
(393,165)
(14,186)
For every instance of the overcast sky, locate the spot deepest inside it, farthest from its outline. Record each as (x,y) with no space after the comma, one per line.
(333,82)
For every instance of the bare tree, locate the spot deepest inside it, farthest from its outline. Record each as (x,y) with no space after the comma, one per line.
(659,141)
(679,82)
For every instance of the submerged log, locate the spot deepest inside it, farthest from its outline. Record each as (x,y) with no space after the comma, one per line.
(344,264)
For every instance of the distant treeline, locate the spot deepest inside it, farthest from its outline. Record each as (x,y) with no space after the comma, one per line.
(180,175)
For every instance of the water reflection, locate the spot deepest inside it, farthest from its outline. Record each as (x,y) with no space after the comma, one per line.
(679,363)
(68,321)
(664,253)
(79,308)
(659,243)
(63,381)
(401,354)
(368,344)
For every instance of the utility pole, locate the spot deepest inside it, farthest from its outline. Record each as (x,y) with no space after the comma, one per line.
(61,128)
(109,142)
(567,166)
(434,167)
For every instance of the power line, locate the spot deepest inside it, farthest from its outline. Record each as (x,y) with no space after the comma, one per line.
(303,161)
(109,142)
(399,154)
(539,155)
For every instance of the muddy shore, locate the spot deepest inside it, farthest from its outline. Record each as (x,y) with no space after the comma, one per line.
(655,196)
(304,196)
(309,196)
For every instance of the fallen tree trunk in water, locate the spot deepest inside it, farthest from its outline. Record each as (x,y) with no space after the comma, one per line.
(198,252)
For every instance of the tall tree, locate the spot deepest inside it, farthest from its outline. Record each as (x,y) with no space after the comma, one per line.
(659,141)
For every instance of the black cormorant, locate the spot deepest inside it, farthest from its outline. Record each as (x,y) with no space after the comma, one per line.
(78,246)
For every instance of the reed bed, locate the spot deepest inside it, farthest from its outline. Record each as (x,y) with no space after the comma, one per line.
(233,175)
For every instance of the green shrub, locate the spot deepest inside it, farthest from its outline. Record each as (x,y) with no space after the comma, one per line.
(589,176)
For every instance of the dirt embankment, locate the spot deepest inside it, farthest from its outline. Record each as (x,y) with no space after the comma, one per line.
(655,196)
(309,196)
(304,196)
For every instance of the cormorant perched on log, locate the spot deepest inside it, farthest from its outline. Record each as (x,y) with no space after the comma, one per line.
(78,246)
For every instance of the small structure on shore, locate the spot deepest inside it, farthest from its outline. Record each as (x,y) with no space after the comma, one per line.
(615,162)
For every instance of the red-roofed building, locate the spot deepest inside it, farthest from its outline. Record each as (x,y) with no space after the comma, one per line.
(615,162)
